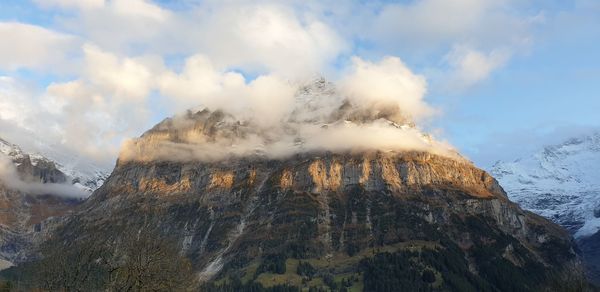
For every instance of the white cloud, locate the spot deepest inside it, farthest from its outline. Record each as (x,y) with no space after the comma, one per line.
(450,29)
(30,46)
(469,66)
(108,102)
(139,8)
(388,83)
(125,78)
(89,115)
(270,37)
(201,84)
(79,4)
(13,106)
(133,49)
(430,22)
(123,25)
(372,110)
(10,178)
(274,38)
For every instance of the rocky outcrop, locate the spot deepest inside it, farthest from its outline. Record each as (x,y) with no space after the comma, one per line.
(239,218)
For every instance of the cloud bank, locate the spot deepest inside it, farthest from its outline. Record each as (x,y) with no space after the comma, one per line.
(374,106)
(10,178)
(94,72)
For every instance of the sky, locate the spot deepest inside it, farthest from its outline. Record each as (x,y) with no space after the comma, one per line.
(499,78)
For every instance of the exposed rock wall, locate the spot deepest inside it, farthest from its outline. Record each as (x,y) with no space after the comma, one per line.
(226,215)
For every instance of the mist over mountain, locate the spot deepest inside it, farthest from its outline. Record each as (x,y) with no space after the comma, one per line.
(309,202)
(34,194)
(282,146)
(319,117)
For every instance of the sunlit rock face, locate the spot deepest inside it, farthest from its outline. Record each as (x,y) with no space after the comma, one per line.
(228,216)
(343,190)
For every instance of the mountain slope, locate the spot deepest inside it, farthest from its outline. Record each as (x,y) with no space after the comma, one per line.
(561,183)
(84,174)
(28,200)
(324,219)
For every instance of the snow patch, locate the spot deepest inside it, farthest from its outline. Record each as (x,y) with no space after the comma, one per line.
(560,182)
(590,228)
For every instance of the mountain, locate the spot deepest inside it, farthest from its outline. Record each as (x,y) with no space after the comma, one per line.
(562,183)
(360,220)
(34,192)
(80,172)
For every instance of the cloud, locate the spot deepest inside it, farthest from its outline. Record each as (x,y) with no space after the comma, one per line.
(201,84)
(10,178)
(107,102)
(469,66)
(274,37)
(430,22)
(79,4)
(198,83)
(34,47)
(474,38)
(87,116)
(126,78)
(372,109)
(433,24)
(13,105)
(123,26)
(131,62)
(386,84)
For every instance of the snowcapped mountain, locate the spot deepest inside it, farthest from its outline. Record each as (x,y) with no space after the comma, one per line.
(83,174)
(561,182)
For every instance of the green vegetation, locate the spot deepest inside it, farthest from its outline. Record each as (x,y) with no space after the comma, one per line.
(140,262)
(6,286)
(305,269)
(274,263)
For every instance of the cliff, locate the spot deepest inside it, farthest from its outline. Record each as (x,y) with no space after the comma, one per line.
(256,220)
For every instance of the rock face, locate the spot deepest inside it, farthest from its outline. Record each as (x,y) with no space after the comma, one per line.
(24,217)
(562,183)
(326,219)
(246,217)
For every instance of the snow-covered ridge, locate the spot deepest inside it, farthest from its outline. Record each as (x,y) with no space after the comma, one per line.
(83,175)
(560,182)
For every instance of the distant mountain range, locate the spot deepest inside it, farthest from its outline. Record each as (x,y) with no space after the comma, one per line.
(26,213)
(562,183)
(80,172)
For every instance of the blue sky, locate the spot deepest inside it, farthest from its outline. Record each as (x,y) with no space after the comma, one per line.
(506,76)
(555,86)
